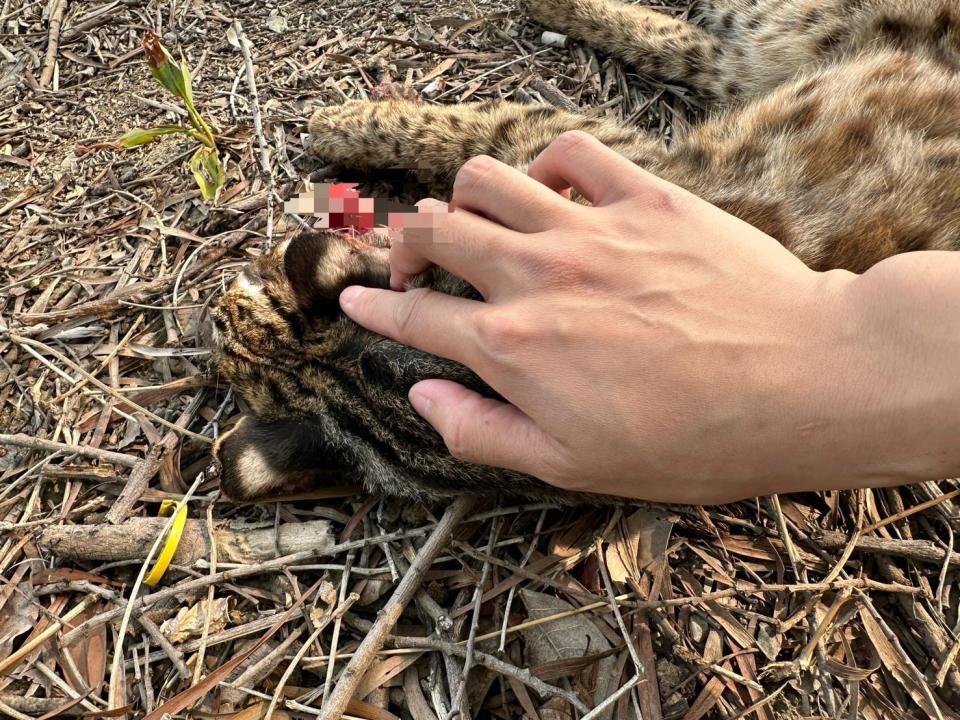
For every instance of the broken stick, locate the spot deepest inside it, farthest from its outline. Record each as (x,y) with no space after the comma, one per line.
(236,543)
(336,705)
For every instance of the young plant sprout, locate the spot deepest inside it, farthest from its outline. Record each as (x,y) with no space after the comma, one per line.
(205,163)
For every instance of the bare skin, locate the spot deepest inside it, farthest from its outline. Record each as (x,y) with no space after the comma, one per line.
(652,346)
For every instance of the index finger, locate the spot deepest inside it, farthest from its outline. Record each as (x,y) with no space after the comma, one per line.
(428,320)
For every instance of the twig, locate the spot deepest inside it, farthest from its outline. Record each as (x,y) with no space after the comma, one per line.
(335,640)
(615,608)
(459,702)
(513,590)
(336,704)
(27,342)
(946,497)
(264,156)
(492,663)
(33,443)
(53,41)
(137,482)
(612,698)
(211,591)
(258,670)
(335,615)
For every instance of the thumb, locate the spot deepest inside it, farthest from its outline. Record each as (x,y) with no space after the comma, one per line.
(481,430)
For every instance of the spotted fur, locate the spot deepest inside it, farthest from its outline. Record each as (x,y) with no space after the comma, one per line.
(837,131)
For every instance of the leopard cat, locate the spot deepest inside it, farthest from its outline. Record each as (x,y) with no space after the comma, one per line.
(836,130)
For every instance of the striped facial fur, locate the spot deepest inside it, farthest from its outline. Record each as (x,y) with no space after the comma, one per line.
(836,131)
(328,398)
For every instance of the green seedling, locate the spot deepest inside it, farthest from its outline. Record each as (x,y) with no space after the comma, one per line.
(175,78)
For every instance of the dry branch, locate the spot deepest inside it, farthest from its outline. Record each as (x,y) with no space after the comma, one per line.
(32,443)
(336,704)
(53,41)
(132,539)
(923,551)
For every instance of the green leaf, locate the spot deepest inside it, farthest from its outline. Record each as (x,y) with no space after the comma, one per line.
(141,136)
(187,82)
(163,67)
(208,172)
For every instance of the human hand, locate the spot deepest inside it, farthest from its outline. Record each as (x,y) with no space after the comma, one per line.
(649,345)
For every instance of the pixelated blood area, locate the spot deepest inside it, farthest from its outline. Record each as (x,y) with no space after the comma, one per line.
(339,206)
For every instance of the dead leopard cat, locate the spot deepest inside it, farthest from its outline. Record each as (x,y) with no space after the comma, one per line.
(838,133)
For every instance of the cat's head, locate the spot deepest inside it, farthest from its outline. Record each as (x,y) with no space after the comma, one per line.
(278,329)
(281,304)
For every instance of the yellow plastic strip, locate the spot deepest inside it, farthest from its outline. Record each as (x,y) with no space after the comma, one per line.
(172,542)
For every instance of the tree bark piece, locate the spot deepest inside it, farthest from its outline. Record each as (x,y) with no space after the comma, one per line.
(131,540)
(923,551)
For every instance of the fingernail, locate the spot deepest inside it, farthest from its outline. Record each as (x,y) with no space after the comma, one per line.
(421,401)
(431,205)
(350,295)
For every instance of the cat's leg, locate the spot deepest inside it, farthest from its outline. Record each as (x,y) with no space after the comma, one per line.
(654,43)
(439,139)
(746,48)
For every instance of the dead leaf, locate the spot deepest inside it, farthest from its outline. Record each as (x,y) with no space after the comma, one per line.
(188,623)
(438,70)
(894,658)
(417,704)
(257,710)
(89,654)
(19,616)
(568,666)
(381,671)
(358,708)
(567,638)
(637,541)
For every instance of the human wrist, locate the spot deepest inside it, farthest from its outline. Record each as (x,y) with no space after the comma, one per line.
(890,385)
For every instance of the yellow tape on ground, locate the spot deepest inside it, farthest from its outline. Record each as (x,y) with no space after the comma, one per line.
(172,542)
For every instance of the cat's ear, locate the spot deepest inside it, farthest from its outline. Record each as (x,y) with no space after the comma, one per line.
(319,265)
(260,458)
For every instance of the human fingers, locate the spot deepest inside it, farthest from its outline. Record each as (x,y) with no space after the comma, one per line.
(460,241)
(578,160)
(432,321)
(505,195)
(481,430)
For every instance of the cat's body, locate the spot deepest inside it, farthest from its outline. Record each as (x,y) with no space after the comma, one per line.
(838,134)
